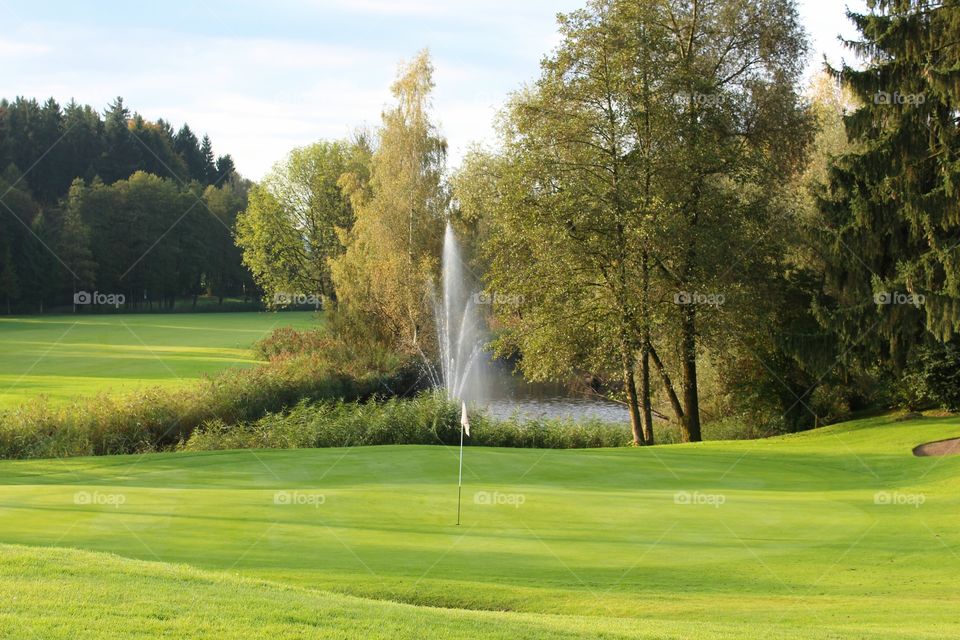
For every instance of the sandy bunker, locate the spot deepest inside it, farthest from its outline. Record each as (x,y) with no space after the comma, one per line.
(939,448)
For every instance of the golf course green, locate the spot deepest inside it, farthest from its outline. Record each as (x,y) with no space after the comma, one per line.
(835,533)
(61,357)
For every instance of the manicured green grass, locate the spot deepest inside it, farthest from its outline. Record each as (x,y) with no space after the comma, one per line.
(64,356)
(839,533)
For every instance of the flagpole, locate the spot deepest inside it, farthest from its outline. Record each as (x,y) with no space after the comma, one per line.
(460,474)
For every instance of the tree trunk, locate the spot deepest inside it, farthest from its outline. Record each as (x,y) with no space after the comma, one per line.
(668,385)
(630,386)
(645,402)
(691,400)
(646,410)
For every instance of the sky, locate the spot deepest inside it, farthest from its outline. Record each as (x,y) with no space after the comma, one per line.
(264,77)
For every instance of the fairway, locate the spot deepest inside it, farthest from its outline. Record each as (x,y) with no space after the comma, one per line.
(61,357)
(836,533)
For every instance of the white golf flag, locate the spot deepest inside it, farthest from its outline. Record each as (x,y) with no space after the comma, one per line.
(464,419)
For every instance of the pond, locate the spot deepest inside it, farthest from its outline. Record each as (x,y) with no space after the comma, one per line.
(508,394)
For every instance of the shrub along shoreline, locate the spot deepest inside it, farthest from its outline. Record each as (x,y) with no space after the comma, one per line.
(156,419)
(164,420)
(315,390)
(428,418)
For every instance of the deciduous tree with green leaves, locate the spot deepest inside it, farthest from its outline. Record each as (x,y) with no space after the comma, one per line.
(384,278)
(289,231)
(643,170)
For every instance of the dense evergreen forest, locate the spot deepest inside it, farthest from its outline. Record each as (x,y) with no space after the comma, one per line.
(113,204)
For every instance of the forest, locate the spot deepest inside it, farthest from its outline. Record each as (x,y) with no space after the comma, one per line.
(113,204)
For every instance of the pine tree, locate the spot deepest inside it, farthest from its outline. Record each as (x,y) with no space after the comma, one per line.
(9,282)
(186,144)
(50,181)
(23,117)
(37,265)
(6,152)
(226,169)
(209,164)
(73,245)
(122,153)
(82,142)
(157,142)
(892,210)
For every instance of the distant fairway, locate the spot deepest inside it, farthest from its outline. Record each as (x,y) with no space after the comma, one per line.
(838,533)
(64,356)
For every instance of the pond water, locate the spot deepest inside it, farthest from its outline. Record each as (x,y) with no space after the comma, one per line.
(508,394)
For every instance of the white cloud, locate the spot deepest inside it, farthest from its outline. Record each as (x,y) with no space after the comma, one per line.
(15,49)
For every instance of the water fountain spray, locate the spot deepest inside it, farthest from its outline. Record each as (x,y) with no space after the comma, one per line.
(459,329)
(460,337)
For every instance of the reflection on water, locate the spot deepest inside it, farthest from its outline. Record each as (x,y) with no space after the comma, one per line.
(509,395)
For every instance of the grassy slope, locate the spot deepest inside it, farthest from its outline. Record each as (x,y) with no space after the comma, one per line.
(74,595)
(68,355)
(798,549)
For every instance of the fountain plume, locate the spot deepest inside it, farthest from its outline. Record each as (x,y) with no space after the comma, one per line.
(459,329)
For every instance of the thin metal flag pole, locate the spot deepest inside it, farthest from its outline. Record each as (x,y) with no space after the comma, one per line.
(464,428)
(460,475)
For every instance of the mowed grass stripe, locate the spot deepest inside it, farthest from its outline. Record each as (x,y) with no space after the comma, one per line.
(85,348)
(62,357)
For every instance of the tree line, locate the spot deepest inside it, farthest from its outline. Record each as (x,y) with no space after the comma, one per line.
(668,214)
(116,204)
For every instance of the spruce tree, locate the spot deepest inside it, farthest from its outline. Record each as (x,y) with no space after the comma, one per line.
(186,144)
(209,164)
(891,213)
(122,153)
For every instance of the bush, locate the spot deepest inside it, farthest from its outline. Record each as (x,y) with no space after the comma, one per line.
(354,356)
(158,419)
(931,379)
(428,418)
(943,378)
(287,341)
(830,403)
(548,433)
